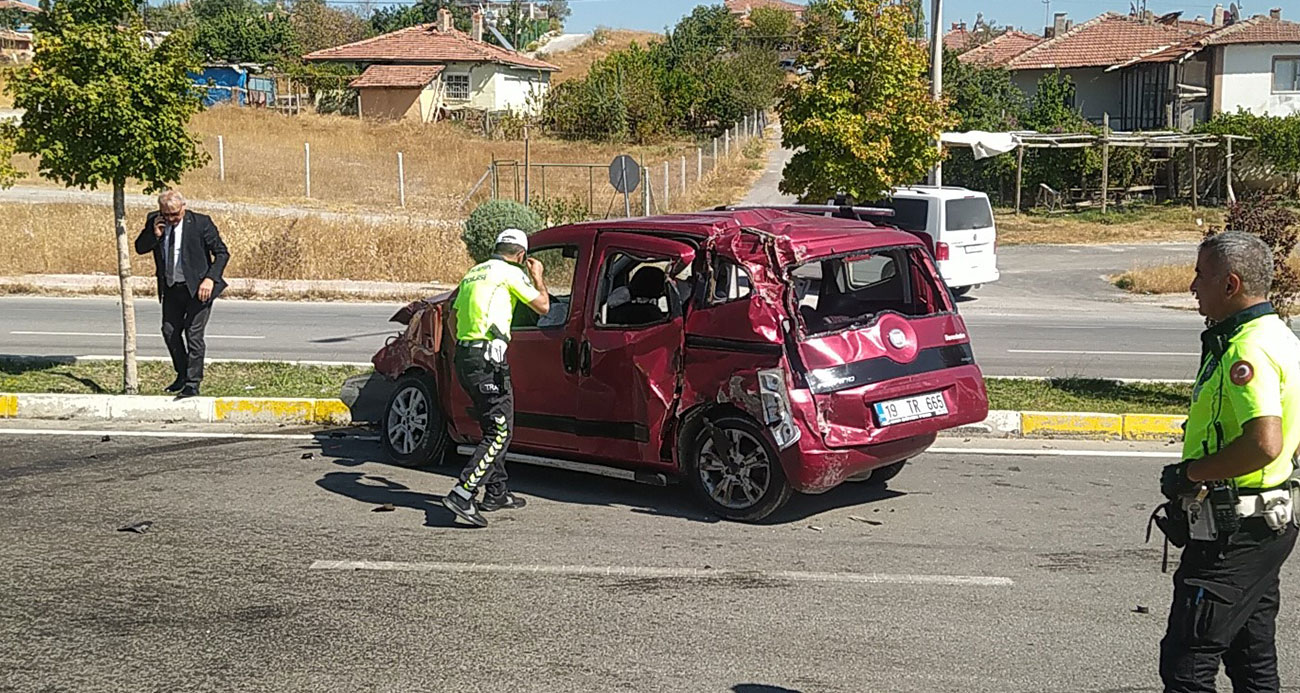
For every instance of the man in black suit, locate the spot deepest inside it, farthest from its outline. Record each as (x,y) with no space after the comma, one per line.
(190,258)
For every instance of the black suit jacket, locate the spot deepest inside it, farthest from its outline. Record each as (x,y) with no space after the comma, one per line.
(203,253)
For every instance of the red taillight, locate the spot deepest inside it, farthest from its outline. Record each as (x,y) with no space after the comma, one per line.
(941,251)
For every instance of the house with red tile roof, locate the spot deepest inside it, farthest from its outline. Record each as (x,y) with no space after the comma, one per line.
(426,70)
(1151,73)
(16,46)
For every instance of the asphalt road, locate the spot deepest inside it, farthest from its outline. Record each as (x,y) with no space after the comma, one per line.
(972,572)
(1052,313)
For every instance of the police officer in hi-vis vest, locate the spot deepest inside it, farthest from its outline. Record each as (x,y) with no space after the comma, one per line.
(484,307)
(1231,498)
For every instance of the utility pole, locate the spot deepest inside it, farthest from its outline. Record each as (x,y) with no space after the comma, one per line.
(936,73)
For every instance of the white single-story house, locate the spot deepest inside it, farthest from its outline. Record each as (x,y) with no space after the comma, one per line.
(1150,73)
(421,71)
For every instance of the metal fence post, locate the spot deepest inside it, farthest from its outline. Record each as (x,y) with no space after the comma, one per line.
(221,157)
(645,191)
(306,153)
(401,181)
(726,142)
(667,186)
(683,176)
(699,164)
(714,163)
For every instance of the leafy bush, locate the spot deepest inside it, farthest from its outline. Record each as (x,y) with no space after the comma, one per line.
(491,218)
(1275,224)
(1276,138)
(561,210)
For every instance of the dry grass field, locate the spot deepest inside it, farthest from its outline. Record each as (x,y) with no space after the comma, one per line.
(1164,279)
(354,163)
(1142,224)
(78,239)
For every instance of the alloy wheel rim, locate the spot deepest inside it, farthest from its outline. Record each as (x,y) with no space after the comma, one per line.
(408,420)
(739,479)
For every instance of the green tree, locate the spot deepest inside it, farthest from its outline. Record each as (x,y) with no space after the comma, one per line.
(238,31)
(916,28)
(770,28)
(558,10)
(12,18)
(170,16)
(102,109)
(863,121)
(316,26)
(1051,110)
(980,97)
(393,17)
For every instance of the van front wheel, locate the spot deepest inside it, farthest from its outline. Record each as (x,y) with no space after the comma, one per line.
(734,470)
(961,291)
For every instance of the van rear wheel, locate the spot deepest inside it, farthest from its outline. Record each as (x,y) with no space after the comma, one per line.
(414,430)
(961,291)
(734,470)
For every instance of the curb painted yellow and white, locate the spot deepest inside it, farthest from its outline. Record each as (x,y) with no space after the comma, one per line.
(1082,425)
(148,409)
(334,412)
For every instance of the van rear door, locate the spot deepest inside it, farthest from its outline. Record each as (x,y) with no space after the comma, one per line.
(969,233)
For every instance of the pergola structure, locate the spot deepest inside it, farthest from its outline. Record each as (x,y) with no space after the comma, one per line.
(1167,140)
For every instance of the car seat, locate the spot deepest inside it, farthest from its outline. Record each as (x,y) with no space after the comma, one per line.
(646,287)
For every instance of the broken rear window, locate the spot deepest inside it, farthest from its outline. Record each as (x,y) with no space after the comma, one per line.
(841,293)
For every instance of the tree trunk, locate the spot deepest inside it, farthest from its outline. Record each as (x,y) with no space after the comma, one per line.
(130,378)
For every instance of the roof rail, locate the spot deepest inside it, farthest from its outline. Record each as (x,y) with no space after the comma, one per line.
(839,211)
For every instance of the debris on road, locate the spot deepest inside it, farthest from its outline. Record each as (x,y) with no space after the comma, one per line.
(105,439)
(1141,610)
(309,455)
(814,528)
(138,528)
(873,523)
(385,508)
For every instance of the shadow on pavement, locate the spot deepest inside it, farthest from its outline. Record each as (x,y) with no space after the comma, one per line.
(761,688)
(562,486)
(378,491)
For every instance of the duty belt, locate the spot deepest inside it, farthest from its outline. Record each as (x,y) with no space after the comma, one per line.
(472,343)
(1254,504)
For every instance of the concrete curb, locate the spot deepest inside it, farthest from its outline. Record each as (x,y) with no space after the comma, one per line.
(140,408)
(1081,425)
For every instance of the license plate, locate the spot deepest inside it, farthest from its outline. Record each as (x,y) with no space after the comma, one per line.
(911,408)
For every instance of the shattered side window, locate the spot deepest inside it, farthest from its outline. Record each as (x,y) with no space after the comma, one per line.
(561,264)
(730,281)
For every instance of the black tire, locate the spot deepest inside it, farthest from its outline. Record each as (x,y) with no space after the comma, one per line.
(882,475)
(767,489)
(413,430)
(961,291)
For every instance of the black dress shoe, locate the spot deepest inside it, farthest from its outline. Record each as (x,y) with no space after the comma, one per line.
(176,386)
(188,391)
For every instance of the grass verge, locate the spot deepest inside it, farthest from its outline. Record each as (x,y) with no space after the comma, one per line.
(1132,224)
(1164,279)
(220,379)
(289,380)
(1088,395)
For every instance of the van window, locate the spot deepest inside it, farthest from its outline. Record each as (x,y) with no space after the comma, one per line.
(730,281)
(842,293)
(561,265)
(967,214)
(909,214)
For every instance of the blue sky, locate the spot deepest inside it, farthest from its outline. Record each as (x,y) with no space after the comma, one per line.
(654,15)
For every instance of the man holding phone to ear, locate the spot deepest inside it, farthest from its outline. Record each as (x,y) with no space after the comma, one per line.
(189,258)
(484,307)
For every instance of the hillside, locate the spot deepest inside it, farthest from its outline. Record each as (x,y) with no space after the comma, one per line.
(575,63)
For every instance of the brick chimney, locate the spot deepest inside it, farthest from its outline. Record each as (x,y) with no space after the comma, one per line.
(1060,24)
(476,26)
(1220,16)
(445,24)
(1275,13)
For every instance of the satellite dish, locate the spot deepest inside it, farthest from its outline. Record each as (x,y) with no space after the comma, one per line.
(1234,13)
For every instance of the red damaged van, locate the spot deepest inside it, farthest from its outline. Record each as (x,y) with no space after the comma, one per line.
(750,353)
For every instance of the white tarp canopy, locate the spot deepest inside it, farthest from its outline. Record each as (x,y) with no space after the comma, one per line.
(983,144)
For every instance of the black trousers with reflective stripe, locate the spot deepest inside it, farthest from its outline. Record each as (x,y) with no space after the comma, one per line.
(488,387)
(1224,610)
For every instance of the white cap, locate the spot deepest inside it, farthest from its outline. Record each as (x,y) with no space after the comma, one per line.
(514,236)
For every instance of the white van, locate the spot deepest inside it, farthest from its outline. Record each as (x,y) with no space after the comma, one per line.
(959,223)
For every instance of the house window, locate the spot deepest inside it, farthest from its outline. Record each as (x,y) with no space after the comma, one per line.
(1286,74)
(457,87)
